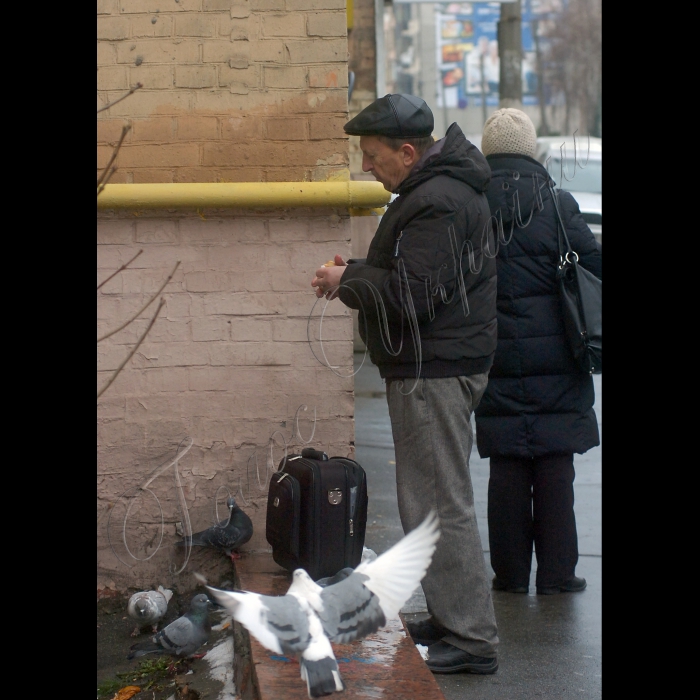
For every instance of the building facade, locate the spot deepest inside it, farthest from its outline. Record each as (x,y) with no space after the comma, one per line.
(232,372)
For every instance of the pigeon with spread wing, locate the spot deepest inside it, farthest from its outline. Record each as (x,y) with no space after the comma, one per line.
(309,617)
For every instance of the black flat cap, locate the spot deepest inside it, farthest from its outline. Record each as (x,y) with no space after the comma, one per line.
(395,116)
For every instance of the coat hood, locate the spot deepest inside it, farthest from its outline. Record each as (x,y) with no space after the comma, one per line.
(511,174)
(455,157)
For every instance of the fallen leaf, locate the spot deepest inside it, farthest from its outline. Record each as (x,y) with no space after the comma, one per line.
(128,692)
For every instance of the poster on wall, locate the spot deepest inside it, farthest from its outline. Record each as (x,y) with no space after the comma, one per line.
(467,51)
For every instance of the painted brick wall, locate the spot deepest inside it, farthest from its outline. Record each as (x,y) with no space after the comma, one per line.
(234,90)
(227,364)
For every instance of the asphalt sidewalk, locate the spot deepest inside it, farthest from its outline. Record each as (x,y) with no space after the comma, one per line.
(551,646)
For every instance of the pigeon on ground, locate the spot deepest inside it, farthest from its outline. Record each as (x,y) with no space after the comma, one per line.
(147,607)
(183,636)
(228,535)
(309,617)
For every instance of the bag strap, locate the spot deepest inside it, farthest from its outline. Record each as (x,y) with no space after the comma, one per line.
(561,230)
(564,259)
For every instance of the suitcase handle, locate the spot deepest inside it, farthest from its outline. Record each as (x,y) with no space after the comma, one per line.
(310,453)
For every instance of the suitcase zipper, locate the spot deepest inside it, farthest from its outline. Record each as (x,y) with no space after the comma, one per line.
(353,498)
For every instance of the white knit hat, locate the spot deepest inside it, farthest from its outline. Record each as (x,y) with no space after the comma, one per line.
(509,131)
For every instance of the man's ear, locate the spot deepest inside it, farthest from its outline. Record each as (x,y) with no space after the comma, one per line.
(410,157)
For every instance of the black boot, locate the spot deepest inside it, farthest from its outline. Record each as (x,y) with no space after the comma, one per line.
(573,585)
(445,658)
(498,586)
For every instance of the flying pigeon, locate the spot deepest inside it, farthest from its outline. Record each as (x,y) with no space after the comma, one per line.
(309,617)
(147,607)
(227,536)
(183,636)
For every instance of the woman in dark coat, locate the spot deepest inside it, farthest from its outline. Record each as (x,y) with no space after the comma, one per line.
(538,407)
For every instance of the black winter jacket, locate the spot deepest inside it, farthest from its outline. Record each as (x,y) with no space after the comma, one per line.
(417,271)
(536,401)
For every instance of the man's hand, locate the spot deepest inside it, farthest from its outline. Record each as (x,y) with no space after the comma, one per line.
(328,278)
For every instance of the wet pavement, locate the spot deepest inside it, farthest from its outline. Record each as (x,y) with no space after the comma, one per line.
(550,646)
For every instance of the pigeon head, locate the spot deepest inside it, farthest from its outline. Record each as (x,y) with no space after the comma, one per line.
(304,585)
(200,604)
(301,577)
(231,502)
(143,607)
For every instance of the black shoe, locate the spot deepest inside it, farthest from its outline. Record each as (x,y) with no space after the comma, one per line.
(498,586)
(573,585)
(426,632)
(445,658)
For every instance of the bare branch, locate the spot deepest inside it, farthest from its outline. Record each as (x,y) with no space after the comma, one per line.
(133,352)
(119,99)
(105,176)
(106,180)
(123,267)
(142,309)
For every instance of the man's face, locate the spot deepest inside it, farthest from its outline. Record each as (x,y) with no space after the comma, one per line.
(389,167)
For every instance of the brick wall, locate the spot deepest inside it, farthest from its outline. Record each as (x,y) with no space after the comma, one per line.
(233,90)
(226,364)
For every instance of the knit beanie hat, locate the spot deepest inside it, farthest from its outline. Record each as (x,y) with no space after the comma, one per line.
(509,131)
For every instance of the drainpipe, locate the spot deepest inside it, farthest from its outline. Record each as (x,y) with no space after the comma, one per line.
(379,48)
(357,196)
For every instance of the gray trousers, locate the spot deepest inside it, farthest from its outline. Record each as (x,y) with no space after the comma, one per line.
(433,441)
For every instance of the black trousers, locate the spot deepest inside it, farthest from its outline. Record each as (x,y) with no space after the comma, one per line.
(531,502)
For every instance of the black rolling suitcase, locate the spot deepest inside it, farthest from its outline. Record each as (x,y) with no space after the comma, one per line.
(317,513)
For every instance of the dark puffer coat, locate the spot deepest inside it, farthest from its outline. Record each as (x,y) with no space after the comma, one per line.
(414,251)
(536,402)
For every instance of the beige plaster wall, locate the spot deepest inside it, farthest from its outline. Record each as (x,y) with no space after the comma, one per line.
(226,365)
(233,90)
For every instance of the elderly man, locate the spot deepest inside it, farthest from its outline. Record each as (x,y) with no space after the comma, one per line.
(427,295)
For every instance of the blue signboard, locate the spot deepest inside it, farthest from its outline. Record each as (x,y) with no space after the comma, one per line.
(467,50)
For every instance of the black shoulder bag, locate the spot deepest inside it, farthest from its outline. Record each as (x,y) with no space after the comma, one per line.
(581,294)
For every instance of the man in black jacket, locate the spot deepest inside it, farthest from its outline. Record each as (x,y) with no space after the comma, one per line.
(427,299)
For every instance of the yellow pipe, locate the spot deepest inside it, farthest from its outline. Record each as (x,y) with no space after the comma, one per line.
(355,194)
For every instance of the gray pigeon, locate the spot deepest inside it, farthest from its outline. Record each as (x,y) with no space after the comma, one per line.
(309,617)
(227,536)
(330,580)
(147,607)
(183,636)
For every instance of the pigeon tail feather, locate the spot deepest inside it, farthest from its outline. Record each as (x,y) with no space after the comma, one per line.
(193,541)
(143,648)
(322,677)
